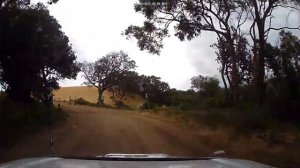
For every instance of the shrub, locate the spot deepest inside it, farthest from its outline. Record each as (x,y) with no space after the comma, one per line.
(82,101)
(17,119)
(185,106)
(148,106)
(120,104)
(212,102)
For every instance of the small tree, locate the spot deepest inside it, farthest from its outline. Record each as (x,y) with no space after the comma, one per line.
(106,73)
(154,88)
(207,86)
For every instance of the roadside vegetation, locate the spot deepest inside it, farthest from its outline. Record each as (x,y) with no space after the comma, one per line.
(259,94)
(18,119)
(34,55)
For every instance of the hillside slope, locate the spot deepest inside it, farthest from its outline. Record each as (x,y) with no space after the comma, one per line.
(90,94)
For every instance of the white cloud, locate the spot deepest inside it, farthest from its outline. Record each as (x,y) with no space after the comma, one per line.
(94,28)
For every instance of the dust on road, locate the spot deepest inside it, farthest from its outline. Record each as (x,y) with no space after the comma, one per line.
(91,131)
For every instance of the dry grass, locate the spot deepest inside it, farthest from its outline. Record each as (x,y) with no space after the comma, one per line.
(91,95)
(277,148)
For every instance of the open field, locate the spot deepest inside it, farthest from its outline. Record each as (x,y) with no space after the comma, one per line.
(90,94)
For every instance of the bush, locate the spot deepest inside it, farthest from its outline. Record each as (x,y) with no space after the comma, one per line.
(17,119)
(120,104)
(148,106)
(213,102)
(213,117)
(185,106)
(82,101)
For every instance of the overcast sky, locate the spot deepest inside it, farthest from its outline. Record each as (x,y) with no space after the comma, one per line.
(94,28)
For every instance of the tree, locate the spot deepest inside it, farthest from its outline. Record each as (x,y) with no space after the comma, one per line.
(106,73)
(34,53)
(18,3)
(283,61)
(129,83)
(261,12)
(206,86)
(283,83)
(154,89)
(223,17)
(243,59)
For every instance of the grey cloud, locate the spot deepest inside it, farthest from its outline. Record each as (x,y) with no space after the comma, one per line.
(202,56)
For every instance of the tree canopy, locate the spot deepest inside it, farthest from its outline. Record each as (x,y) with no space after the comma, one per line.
(205,85)
(227,19)
(106,73)
(34,53)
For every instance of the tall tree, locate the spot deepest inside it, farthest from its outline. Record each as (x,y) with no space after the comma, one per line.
(223,17)
(283,61)
(262,14)
(244,62)
(283,84)
(106,73)
(190,18)
(34,53)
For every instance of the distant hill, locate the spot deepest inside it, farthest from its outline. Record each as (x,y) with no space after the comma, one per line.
(90,94)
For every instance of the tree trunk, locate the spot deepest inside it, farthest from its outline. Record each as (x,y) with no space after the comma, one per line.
(234,72)
(259,67)
(260,64)
(100,94)
(224,82)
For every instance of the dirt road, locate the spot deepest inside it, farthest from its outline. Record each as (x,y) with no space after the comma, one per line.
(97,131)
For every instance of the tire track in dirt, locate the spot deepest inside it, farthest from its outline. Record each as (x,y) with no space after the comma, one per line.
(97,131)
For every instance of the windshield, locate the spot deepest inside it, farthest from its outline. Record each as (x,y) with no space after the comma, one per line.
(150,79)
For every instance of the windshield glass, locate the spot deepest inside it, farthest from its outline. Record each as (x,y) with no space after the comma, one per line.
(150,79)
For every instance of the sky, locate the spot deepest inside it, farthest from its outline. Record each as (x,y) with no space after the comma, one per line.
(94,28)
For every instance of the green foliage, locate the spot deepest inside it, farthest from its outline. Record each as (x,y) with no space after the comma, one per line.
(34,53)
(212,103)
(283,87)
(185,100)
(149,106)
(130,82)
(241,120)
(17,119)
(242,63)
(185,106)
(206,86)
(108,72)
(155,89)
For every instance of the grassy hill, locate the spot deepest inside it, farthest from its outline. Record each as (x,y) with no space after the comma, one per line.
(90,94)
